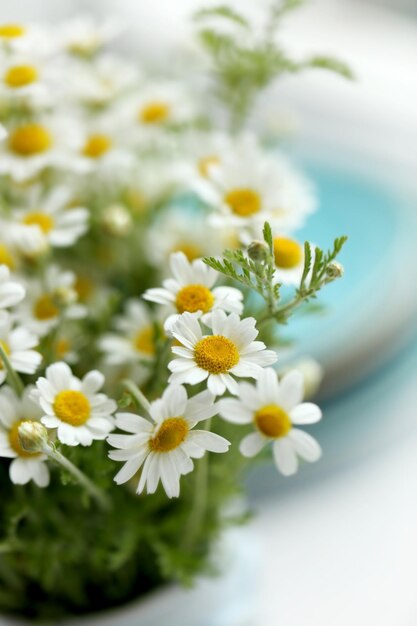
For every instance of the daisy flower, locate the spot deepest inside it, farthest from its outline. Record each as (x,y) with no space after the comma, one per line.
(25,466)
(231,350)
(136,340)
(74,407)
(289,260)
(33,146)
(49,300)
(191,289)
(84,36)
(248,188)
(17,343)
(104,149)
(274,407)
(166,445)
(35,79)
(180,231)
(49,220)
(11,292)
(24,38)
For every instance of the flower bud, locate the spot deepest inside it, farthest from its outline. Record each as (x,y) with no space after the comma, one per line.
(116,220)
(334,270)
(258,251)
(33,436)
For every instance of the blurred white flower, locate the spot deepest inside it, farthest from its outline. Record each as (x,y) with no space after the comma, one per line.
(11,292)
(274,408)
(17,343)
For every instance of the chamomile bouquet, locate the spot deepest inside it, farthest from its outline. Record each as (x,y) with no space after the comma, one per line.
(147,261)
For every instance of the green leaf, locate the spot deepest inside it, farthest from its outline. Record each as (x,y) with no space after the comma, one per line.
(267,234)
(332,64)
(222,11)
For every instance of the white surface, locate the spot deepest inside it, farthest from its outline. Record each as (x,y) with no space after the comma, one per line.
(345,554)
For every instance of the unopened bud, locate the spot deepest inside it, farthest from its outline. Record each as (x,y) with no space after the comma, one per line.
(258,251)
(33,436)
(116,220)
(335,270)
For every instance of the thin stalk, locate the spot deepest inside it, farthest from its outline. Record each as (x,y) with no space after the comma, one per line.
(136,393)
(199,505)
(97,494)
(12,376)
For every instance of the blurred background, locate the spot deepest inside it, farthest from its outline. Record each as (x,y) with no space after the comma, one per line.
(339,540)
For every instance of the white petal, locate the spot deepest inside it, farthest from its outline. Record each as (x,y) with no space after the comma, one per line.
(235,411)
(40,473)
(170,475)
(209,441)
(175,399)
(19,472)
(305,445)
(216,385)
(306,413)
(59,375)
(268,386)
(130,468)
(92,382)
(252,444)
(291,389)
(132,423)
(285,457)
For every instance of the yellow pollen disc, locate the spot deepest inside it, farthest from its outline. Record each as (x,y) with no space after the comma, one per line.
(15,442)
(36,218)
(194,298)
(154,113)
(5,257)
(170,435)
(216,354)
(20,76)
(273,421)
(206,163)
(6,349)
(62,347)
(287,252)
(12,31)
(29,140)
(190,250)
(144,341)
(96,146)
(45,308)
(243,202)
(72,407)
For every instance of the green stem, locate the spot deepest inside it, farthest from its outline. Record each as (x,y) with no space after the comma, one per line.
(136,393)
(199,504)
(12,376)
(97,494)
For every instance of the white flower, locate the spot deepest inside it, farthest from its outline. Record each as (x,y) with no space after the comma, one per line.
(49,220)
(49,300)
(191,290)
(249,187)
(229,351)
(11,292)
(35,145)
(17,343)
(274,408)
(187,232)
(136,340)
(36,80)
(73,406)
(26,466)
(85,36)
(16,37)
(166,445)
(289,261)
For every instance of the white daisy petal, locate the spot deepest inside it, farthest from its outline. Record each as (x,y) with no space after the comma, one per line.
(285,456)
(305,445)
(305,413)
(252,444)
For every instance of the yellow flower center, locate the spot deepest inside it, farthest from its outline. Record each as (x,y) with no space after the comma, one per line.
(96,146)
(272,421)
(72,407)
(194,298)
(243,202)
(45,308)
(5,257)
(12,31)
(6,349)
(29,140)
(36,218)
(144,340)
(190,250)
(21,75)
(154,113)
(170,435)
(216,354)
(287,252)
(62,347)
(15,441)
(206,163)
